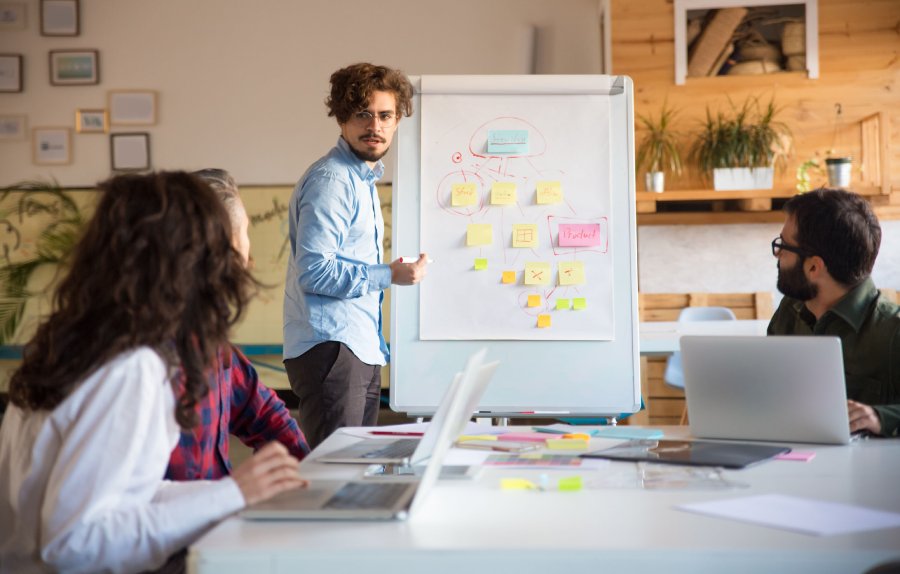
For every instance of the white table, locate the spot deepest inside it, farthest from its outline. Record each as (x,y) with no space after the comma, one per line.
(661,337)
(473,526)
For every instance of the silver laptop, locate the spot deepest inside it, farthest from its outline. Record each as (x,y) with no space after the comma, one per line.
(782,389)
(379,500)
(410,452)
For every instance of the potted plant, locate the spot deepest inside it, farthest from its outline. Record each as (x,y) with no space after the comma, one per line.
(837,165)
(658,151)
(53,245)
(741,149)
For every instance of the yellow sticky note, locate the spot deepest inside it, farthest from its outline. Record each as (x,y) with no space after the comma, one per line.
(549,192)
(537,273)
(479,234)
(480,264)
(567,444)
(534,300)
(517,484)
(579,303)
(570,484)
(571,273)
(509,277)
(524,235)
(562,305)
(462,194)
(543,321)
(466,437)
(503,193)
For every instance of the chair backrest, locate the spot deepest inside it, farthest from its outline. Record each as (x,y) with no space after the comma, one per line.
(706,314)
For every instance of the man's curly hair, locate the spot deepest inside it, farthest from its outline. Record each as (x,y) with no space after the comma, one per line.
(352,87)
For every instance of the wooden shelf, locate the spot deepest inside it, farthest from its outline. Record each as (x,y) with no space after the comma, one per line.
(712,195)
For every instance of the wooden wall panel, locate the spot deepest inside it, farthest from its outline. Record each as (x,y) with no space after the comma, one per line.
(859,59)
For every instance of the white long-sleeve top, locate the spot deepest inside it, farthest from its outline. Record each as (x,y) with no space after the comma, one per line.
(81,486)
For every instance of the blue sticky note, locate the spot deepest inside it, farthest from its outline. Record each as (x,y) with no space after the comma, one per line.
(628,432)
(507,141)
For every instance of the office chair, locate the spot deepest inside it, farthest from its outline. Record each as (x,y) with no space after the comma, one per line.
(674,375)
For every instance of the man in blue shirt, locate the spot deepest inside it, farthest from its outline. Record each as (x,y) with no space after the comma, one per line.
(333,345)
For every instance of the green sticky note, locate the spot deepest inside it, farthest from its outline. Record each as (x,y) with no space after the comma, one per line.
(570,484)
(579,303)
(562,305)
(480,264)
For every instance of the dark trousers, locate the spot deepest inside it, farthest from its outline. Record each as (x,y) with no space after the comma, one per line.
(335,389)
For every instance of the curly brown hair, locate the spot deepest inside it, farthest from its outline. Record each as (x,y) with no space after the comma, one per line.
(154,268)
(352,87)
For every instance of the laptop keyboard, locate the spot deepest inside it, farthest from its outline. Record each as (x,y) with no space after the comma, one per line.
(402,448)
(367,495)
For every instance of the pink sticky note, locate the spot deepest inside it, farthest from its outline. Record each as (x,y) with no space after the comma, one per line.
(579,234)
(798,455)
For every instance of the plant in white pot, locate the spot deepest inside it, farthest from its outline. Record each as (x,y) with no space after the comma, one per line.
(741,149)
(658,152)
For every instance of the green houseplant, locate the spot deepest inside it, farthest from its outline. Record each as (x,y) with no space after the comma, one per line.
(742,148)
(52,246)
(658,152)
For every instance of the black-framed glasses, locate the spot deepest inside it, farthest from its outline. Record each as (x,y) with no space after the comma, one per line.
(778,245)
(365,117)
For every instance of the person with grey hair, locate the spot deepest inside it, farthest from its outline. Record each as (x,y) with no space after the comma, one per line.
(237,402)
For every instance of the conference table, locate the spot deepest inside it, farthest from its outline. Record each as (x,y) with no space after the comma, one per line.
(615,523)
(661,337)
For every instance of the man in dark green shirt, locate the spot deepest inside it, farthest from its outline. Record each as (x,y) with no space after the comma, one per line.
(825,253)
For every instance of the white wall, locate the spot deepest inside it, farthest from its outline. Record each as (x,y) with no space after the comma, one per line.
(241,84)
(732,258)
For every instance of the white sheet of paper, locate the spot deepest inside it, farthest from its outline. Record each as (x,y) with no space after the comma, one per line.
(797,514)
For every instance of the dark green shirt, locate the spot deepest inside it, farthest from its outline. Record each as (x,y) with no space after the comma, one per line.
(869,328)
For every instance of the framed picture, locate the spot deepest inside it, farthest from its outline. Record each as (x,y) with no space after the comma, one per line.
(52,146)
(13,127)
(74,67)
(91,121)
(10,72)
(59,18)
(130,151)
(12,15)
(132,107)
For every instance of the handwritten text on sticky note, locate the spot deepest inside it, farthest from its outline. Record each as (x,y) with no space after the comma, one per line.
(579,234)
(548,192)
(537,273)
(525,235)
(462,194)
(507,141)
(503,193)
(571,273)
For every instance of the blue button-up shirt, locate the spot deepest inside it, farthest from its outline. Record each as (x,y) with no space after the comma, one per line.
(336,276)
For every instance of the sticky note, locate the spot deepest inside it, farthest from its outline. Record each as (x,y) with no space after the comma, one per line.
(567,444)
(537,273)
(570,484)
(507,141)
(543,321)
(479,234)
(463,194)
(517,484)
(525,235)
(509,277)
(503,193)
(579,303)
(466,437)
(571,273)
(534,300)
(798,455)
(579,234)
(580,435)
(480,264)
(562,305)
(549,192)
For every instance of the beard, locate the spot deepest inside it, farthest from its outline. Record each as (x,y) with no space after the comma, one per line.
(369,155)
(794,284)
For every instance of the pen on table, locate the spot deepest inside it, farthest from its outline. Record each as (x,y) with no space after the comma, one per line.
(396,433)
(414,259)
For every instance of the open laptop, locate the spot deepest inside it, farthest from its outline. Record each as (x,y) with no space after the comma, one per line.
(378,500)
(467,386)
(782,389)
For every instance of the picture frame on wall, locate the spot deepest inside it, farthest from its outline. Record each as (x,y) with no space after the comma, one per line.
(13,127)
(10,72)
(51,146)
(60,18)
(131,107)
(74,67)
(12,15)
(91,121)
(130,151)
